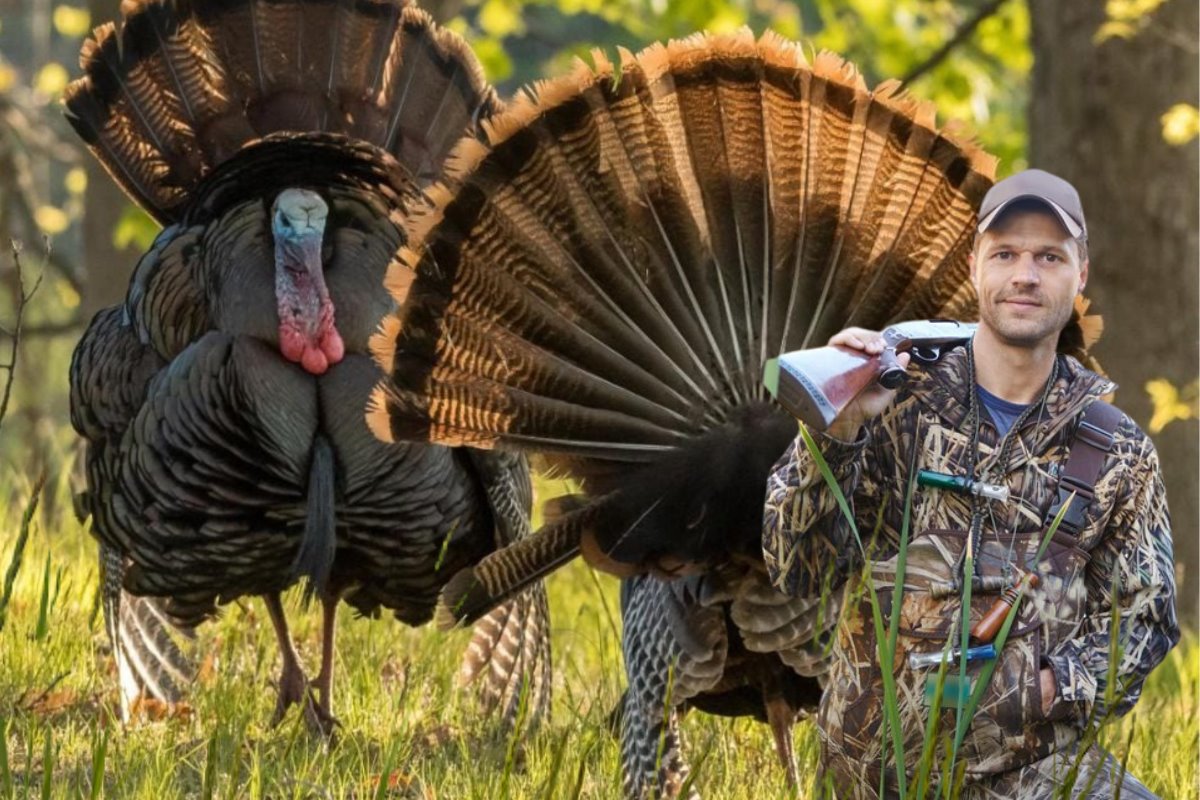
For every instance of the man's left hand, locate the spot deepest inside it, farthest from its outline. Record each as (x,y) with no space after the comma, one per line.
(1048,689)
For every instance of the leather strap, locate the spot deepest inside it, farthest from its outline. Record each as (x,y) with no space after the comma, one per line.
(1085,458)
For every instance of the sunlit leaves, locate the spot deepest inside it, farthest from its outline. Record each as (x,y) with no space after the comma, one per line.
(500,18)
(51,220)
(51,79)
(67,296)
(496,63)
(134,229)
(76,180)
(1172,403)
(71,21)
(1181,123)
(1124,18)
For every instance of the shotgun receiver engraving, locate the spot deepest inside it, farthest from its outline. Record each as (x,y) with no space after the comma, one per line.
(815,385)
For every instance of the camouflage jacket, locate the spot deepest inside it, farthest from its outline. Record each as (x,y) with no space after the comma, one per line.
(1125,544)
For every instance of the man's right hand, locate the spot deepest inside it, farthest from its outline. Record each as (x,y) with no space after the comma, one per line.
(875,398)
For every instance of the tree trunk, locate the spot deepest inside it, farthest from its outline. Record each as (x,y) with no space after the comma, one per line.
(1095,120)
(106,269)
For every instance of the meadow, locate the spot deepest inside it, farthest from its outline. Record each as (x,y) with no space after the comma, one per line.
(407,730)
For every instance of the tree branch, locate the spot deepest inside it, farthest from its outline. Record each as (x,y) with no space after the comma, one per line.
(21,299)
(963,33)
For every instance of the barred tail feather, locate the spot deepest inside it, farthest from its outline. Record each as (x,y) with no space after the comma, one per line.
(146,643)
(508,658)
(501,575)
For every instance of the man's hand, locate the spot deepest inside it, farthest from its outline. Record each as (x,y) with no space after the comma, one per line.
(1049,689)
(875,398)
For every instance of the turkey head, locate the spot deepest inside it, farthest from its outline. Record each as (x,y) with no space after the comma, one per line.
(307,333)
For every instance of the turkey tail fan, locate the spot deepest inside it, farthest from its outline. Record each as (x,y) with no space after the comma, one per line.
(603,276)
(145,638)
(179,88)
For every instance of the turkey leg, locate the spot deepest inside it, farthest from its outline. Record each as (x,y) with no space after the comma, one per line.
(293,685)
(782,718)
(324,681)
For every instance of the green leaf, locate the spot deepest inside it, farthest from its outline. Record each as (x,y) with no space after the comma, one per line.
(135,228)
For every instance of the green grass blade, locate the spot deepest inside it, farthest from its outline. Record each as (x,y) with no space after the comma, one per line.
(968,580)
(17,557)
(886,655)
(99,756)
(6,779)
(932,725)
(827,474)
(42,629)
(211,755)
(48,764)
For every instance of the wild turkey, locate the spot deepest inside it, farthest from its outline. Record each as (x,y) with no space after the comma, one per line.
(601,279)
(278,142)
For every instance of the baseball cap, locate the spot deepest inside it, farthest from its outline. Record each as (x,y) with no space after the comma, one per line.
(1035,184)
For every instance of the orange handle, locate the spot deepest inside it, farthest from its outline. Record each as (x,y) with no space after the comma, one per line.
(988,626)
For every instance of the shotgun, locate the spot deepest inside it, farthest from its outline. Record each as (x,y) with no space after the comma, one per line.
(815,385)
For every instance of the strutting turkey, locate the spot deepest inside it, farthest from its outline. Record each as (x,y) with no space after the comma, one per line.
(601,281)
(278,142)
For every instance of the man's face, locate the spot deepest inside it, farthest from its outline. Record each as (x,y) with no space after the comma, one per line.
(1027,272)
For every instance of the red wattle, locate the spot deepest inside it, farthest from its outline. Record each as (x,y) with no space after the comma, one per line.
(314,361)
(292,343)
(332,345)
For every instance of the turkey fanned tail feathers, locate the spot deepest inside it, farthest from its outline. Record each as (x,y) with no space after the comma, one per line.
(182,86)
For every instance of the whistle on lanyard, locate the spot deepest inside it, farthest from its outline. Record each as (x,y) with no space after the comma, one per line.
(961,484)
(980,584)
(983,652)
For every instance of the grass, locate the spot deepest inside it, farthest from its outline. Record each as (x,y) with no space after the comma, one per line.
(395,695)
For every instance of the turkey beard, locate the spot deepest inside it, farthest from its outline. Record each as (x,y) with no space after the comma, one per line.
(307,334)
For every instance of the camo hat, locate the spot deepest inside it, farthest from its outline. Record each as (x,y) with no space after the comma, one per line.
(1035,184)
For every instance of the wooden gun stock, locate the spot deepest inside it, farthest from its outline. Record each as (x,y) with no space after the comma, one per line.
(816,385)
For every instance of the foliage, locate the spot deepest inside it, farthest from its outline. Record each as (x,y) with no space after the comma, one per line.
(983,82)
(1181,123)
(1172,403)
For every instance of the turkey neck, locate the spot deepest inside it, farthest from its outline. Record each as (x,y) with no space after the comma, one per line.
(307,334)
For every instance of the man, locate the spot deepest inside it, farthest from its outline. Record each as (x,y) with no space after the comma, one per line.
(1005,410)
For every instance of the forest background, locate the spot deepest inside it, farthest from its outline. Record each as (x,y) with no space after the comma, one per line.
(1103,93)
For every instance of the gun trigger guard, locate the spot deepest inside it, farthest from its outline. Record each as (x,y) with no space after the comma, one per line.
(927,354)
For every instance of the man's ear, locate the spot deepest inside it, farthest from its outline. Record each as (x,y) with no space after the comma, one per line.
(971,263)
(1083,275)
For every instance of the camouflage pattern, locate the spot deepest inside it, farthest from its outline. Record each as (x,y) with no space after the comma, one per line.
(1064,623)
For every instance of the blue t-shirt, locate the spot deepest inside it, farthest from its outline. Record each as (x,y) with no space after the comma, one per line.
(1002,412)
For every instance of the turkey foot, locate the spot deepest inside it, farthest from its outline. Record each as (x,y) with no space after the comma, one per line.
(293,685)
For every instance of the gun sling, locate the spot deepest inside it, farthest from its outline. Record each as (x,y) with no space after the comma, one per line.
(1085,458)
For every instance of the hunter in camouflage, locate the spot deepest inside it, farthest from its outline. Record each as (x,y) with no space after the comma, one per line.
(1024,739)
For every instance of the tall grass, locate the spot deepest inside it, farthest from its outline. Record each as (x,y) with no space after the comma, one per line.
(407,731)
